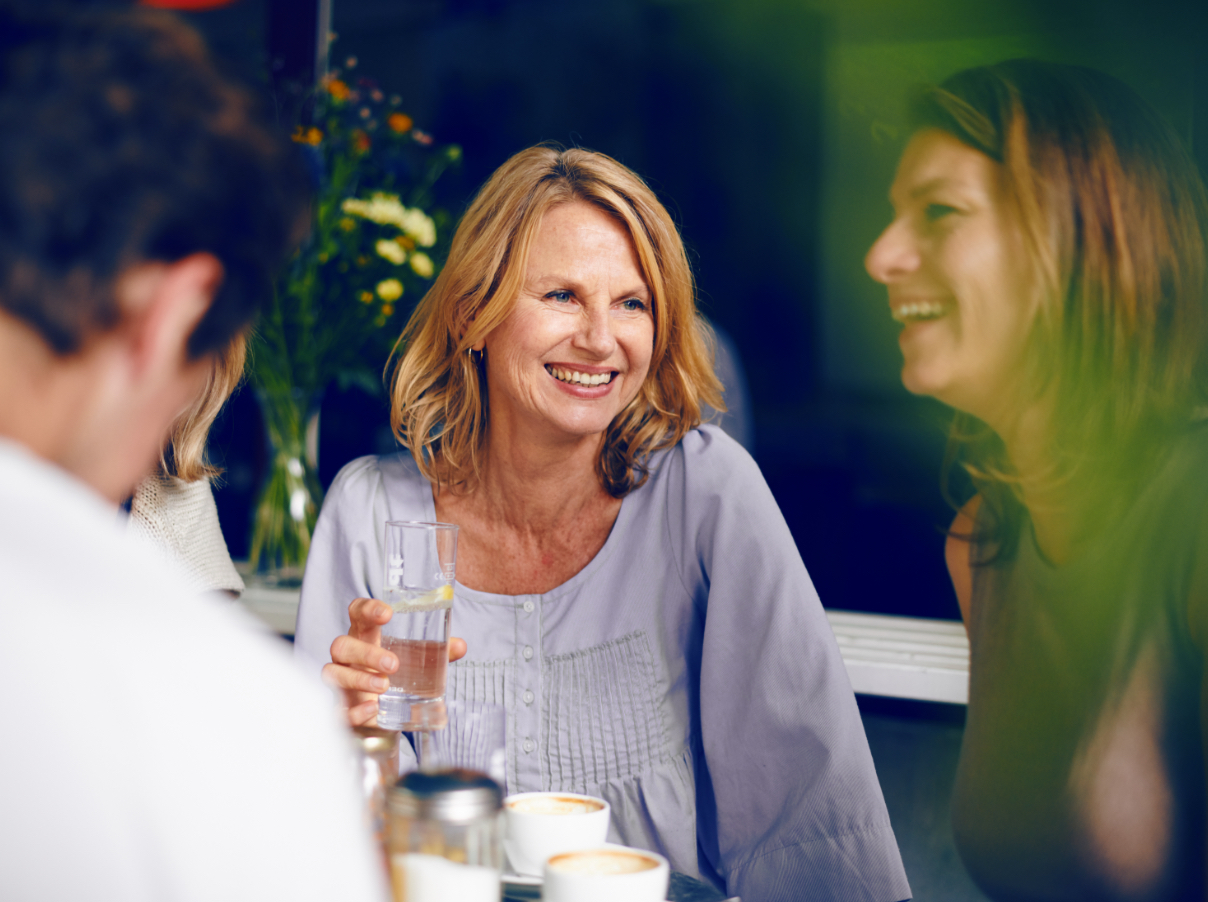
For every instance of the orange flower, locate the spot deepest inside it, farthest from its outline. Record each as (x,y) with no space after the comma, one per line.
(311,136)
(399,122)
(338,89)
(361,141)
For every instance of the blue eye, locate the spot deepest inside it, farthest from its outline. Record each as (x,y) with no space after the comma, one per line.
(936,212)
(637,305)
(560,295)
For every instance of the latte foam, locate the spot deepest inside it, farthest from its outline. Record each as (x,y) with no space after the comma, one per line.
(554,805)
(602,862)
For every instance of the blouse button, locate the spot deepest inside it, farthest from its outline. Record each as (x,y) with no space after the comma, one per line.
(528,652)
(529,745)
(528,607)
(528,696)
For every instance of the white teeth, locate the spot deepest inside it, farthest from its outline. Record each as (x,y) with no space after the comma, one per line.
(577,378)
(918,310)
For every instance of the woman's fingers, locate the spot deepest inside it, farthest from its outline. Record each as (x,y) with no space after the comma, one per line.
(457,648)
(356,653)
(366,616)
(354,679)
(359,664)
(364,714)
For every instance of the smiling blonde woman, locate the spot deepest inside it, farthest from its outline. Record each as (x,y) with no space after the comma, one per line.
(626,584)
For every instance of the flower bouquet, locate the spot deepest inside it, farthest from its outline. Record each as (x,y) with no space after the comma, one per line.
(374,248)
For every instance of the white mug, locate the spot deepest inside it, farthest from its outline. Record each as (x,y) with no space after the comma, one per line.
(605,874)
(541,824)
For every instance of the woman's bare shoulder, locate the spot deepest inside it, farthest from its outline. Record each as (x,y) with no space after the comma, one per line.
(956,552)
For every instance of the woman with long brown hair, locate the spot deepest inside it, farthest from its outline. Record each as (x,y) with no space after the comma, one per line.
(1047,262)
(626,584)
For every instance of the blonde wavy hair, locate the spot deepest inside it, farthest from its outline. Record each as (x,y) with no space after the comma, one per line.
(439,396)
(184,455)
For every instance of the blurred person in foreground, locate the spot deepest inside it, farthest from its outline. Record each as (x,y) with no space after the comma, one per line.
(1047,261)
(142,213)
(626,583)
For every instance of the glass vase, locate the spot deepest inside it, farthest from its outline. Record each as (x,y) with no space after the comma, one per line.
(288,505)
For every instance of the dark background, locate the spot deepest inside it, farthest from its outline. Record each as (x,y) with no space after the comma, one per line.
(770,129)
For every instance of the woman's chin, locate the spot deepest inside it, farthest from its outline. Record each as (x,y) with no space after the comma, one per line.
(918,380)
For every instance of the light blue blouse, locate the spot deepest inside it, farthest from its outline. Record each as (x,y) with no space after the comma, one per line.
(687,675)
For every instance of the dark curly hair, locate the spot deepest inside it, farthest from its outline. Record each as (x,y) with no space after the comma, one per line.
(121,143)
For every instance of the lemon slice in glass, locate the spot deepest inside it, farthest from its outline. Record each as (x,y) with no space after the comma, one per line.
(426,600)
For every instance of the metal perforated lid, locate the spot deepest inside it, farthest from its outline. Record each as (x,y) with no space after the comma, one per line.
(453,796)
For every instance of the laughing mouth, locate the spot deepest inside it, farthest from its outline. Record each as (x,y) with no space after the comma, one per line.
(917,311)
(574,377)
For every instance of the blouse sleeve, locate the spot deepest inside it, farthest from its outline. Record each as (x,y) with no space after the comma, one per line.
(344,563)
(789,806)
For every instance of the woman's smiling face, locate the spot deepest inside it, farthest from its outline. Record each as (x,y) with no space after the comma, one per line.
(958,278)
(576,347)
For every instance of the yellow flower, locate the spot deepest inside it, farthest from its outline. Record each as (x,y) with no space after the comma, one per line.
(386,209)
(387,310)
(390,250)
(347,223)
(337,89)
(399,122)
(390,289)
(422,264)
(311,136)
(382,208)
(419,226)
(366,297)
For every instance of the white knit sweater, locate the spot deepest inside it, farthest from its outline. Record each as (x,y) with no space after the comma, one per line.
(181,518)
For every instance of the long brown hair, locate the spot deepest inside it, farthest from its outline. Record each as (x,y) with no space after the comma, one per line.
(1114,218)
(439,398)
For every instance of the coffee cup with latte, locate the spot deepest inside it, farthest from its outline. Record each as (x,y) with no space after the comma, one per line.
(605,874)
(541,824)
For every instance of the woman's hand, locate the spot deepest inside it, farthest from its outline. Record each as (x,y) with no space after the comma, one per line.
(359,663)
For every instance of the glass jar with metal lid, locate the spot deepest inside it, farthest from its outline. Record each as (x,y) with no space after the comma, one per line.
(377,763)
(445,838)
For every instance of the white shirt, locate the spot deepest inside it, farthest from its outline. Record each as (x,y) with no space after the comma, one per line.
(155,745)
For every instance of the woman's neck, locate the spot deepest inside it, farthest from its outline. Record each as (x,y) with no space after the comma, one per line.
(1028,441)
(537,516)
(535,486)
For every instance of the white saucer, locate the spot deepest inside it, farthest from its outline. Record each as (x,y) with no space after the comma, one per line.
(521,886)
(521,879)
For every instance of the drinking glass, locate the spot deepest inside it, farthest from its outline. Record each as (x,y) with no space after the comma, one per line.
(421,563)
(474,739)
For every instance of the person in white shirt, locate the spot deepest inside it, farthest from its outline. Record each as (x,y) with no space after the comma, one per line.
(156,745)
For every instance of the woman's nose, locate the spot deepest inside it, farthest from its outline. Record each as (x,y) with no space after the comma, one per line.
(892,255)
(595,333)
